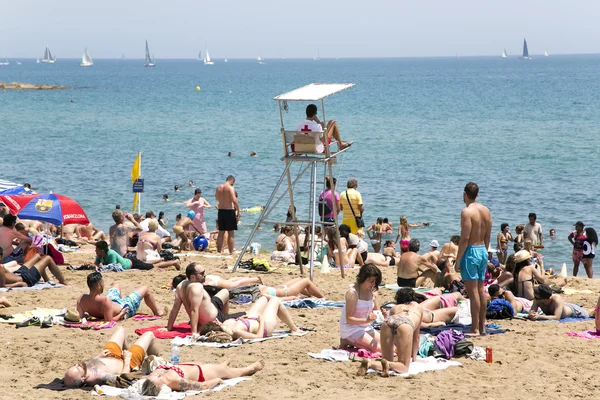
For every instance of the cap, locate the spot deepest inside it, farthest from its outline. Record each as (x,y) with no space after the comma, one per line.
(434,243)
(544,291)
(522,255)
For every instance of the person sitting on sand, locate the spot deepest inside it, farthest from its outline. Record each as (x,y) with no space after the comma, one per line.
(291,289)
(450,250)
(312,124)
(340,259)
(448,278)
(525,276)
(120,232)
(519,304)
(149,246)
(414,269)
(106,256)
(88,233)
(29,273)
(116,358)
(536,258)
(260,320)
(399,334)
(7,235)
(180,230)
(200,307)
(112,307)
(288,238)
(554,307)
(358,312)
(389,249)
(194,376)
(215,280)
(433,254)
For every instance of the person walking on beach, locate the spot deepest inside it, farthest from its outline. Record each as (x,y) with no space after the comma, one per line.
(577,240)
(533,231)
(197,204)
(475,231)
(228,214)
(351,205)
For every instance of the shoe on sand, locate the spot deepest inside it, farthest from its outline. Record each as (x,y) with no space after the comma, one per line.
(48,322)
(33,321)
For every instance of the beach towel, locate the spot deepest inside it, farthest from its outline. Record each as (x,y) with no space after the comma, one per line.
(332,355)
(41,313)
(591,334)
(133,392)
(490,329)
(146,317)
(94,325)
(37,286)
(179,330)
(189,341)
(110,268)
(313,303)
(563,320)
(425,364)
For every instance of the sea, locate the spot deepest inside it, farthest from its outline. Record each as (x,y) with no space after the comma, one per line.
(526,131)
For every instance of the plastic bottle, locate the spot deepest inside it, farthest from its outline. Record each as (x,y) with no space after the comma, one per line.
(98,389)
(175,354)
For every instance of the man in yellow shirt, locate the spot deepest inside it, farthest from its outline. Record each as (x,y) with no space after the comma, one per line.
(350,201)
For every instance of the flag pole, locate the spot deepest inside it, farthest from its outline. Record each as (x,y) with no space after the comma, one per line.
(140,195)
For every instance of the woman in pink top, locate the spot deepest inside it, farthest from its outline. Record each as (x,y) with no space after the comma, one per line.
(197,204)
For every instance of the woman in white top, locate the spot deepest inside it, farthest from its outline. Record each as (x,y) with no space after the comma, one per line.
(357,314)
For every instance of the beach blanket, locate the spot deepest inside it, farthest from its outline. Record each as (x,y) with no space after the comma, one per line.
(313,303)
(179,330)
(332,355)
(41,313)
(563,320)
(145,317)
(424,365)
(490,329)
(591,334)
(37,286)
(189,341)
(133,392)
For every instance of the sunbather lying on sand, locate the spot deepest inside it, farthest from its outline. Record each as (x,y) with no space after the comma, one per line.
(112,307)
(554,307)
(519,304)
(194,376)
(115,358)
(30,272)
(291,289)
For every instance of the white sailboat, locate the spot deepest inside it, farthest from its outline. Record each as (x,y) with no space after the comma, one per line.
(5,63)
(504,55)
(37,61)
(48,57)
(318,57)
(86,59)
(525,55)
(225,59)
(149,60)
(260,60)
(18,62)
(207,60)
(546,53)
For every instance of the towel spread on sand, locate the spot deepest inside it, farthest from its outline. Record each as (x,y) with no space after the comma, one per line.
(425,364)
(189,341)
(563,320)
(313,303)
(179,330)
(490,329)
(37,286)
(41,313)
(592,334)
(145,317)
(133,392)
(344,355)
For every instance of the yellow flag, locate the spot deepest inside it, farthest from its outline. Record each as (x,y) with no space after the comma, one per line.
(135,174)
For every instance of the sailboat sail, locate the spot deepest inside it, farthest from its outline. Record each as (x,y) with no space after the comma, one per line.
(525,50)
(149,61)
(200,55)
(504,55)
(86,59)
(48,57)
(207,60)
(546,53)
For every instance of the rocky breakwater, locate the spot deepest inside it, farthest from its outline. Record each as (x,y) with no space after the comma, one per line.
(29,86)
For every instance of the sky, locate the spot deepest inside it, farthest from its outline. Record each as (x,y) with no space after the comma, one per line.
(297,29)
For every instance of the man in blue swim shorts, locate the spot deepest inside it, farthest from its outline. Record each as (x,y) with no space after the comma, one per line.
(475,230)
(112,307)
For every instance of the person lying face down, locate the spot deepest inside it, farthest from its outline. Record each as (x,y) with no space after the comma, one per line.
(554,307)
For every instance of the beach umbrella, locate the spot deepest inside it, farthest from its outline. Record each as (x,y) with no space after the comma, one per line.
(16,191)
(53,208)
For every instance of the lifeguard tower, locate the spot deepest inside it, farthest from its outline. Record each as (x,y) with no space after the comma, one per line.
(300,147)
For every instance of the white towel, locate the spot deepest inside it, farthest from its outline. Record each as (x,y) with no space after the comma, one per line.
(37,286)
(425,364)
(332,355)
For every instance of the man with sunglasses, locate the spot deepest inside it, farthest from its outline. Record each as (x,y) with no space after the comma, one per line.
(554,307)
(200,307)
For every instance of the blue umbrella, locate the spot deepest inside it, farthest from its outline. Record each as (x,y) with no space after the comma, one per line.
(55,209)
(16,191)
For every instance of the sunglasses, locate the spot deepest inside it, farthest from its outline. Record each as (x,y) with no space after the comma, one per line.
(200,273)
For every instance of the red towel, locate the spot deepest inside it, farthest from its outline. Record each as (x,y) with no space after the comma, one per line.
(179,330)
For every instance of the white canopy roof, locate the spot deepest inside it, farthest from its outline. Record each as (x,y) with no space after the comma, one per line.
(314,91)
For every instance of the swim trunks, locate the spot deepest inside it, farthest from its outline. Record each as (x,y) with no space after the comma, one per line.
(227,220)
(473,263)
(218,303)
(406,282)
(30,276)
(132,301)
(578,311)
(448,300)
(137,353)
(136,263)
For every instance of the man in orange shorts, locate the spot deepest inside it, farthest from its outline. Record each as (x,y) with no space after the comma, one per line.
(114,359)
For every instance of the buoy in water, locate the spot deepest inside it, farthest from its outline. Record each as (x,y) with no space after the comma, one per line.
(197,88)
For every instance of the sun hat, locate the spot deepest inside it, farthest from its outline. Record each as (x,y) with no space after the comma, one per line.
(434,243)
(522,255)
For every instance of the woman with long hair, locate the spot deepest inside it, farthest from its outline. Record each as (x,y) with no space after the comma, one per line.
(589,251)
(342,258)
(375,232)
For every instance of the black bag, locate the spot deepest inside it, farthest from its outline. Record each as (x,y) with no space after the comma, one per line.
(324,208)
(360,223)
(463,348)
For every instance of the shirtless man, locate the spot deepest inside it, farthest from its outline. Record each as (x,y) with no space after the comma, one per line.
(89,233)
(450,249)
(112,307)
(410,272)
(228,215)
(434,253)
(29,273)
(7,235)
(554,307)
(200,307)
(114,359)
(519,304)
(119,232)
(475,230)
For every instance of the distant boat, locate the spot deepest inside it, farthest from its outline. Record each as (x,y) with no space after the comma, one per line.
(48,57)
(37,61)
(200,56)
(5,63)
(546,53)
(207,60)
(225,59)
(86,59)
(318,57)
(525,55)
(18,62)
(149,60)
(260,60)
(504,55)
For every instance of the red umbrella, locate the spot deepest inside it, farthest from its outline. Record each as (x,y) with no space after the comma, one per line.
(53,208)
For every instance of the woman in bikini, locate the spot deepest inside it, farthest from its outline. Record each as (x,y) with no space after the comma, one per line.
(504,236)
(194,376)
(343,258)
(357,314)
(260,320)
(149,246)
(519,238)
(525,276)
(399,332)
(291,289)
(404,233)
(180,230)
(375,232)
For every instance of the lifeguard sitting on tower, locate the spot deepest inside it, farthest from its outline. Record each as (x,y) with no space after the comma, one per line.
(312,124)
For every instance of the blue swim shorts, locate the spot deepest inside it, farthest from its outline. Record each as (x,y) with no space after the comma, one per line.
(473,263)
(132,302)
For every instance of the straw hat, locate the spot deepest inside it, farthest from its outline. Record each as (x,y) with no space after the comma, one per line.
(522,255)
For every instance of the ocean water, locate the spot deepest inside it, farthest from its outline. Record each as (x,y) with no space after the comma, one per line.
(525,131)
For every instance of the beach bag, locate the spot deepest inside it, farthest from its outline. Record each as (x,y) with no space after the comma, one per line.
(324,207)
(360,223)
(463,348)
(499,309)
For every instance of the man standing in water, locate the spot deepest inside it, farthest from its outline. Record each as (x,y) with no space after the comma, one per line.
(229,212)
(472,258)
